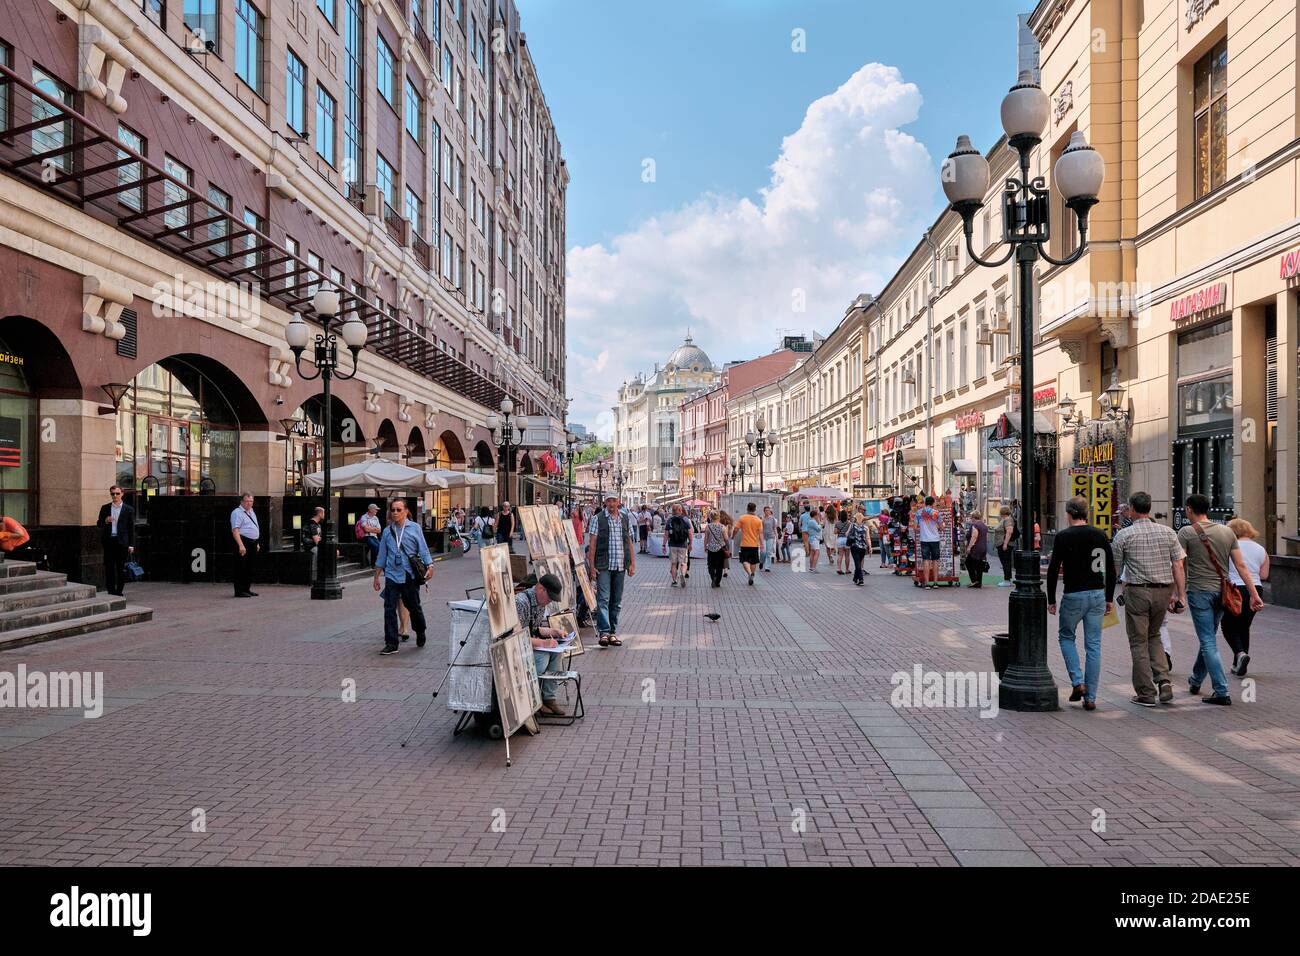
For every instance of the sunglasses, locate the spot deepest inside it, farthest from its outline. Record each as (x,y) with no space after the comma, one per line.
(116,494)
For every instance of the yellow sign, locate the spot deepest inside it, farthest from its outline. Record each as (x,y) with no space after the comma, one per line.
(1103,453)
(1102,500)
(1080,483)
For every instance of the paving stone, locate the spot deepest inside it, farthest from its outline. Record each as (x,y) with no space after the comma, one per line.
(962,817)
(980,838)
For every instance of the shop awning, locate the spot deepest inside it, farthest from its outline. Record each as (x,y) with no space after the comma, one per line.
(963,466)
(914,456)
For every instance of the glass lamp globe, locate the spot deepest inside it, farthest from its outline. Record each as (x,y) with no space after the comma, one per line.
(1025,110)
(325,302)
(354,333)
(965,173)
(507,405)
(1080,171)
(297,334)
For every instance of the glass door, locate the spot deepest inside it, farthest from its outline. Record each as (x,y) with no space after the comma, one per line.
(1203,464)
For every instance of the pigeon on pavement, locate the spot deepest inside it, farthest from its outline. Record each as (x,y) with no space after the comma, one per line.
(712,616)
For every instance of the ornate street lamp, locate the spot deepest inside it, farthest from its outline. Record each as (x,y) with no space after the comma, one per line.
(1075,419)
(507,432)
(761,446)
(325,359)
(572,443)
(1026,684)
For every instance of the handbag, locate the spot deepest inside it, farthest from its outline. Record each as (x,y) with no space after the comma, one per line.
(133,571)
(1227,590)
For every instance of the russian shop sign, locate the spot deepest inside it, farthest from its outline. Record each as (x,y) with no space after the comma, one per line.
(1289,265)
(1102,453)
(1211,299)
(969,420)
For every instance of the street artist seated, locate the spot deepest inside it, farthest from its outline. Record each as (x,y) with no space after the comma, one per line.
(531,603)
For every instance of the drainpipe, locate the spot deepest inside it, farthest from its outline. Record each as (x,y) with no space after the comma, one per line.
(929,359)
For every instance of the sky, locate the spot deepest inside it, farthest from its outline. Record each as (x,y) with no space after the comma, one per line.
(744,168)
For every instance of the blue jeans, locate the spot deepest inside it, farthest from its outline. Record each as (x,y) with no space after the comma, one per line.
(372,548)
(1089,607)
(544,662)
(609,598)
(1207,610)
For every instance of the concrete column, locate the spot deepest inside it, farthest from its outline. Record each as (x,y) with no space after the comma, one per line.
(1249,413)
(1288,491)
(78,461)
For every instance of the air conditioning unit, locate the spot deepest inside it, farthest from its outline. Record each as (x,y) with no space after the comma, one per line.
(908,377)
(983,336)
(952,252)
(1000,326)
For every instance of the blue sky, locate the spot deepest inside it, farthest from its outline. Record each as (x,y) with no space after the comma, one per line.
(710,90)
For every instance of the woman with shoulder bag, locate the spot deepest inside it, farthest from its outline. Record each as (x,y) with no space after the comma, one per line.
(1236,627)
(716,548)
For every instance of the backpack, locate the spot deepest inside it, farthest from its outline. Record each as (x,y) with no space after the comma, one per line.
(679,532)
(361,532)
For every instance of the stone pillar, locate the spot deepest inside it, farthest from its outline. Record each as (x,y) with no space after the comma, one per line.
(1249,413)
(261,471)
(78,463)
(1288,489)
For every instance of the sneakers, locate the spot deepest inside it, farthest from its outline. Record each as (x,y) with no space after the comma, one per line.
(388,649)
(1004,584)
(1166,693)
(1143,701)
(1221,699)
(1243,663)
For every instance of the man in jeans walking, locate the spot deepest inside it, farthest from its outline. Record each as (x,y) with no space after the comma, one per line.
(1151,561)
(611,556)
(1210,547)
(1084,554)
(677,541)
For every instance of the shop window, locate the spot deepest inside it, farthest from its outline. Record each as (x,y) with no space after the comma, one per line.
(177,434)
(18,424)
(1210,118)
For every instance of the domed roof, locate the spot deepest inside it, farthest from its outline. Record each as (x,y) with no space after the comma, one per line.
(690,357)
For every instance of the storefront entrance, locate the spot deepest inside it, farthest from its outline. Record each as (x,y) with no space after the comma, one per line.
(1203,445)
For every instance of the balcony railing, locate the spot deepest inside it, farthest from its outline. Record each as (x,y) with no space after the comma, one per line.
(421,250)
(395,224)
(87,167)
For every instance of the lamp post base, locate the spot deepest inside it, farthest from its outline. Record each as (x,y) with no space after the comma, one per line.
(326,591)
(1027,684)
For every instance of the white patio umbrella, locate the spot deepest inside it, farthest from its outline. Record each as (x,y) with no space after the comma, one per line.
(449,478)
(372,473)
(821,492)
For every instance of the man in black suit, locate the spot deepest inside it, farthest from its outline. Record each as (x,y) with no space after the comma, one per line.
(117,532)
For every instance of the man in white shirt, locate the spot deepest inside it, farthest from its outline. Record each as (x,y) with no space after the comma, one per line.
(247,534)
(371,527)
(117,533)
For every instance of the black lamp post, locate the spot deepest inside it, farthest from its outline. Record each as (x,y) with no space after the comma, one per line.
(1027,684)
(511,433)
(325,303)
(600,469)
(571,442)
(761,446)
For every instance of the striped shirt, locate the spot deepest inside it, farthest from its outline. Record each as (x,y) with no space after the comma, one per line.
(1146,551)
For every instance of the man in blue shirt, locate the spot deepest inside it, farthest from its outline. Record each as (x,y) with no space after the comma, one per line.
(812,537)
(400,540)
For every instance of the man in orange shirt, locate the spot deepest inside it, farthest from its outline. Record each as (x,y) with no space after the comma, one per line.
(750,529)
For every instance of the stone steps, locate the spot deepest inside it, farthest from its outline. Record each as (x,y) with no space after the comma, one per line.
(41,606)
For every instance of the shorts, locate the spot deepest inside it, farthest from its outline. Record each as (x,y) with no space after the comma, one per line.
(841,542)
(814,542)
(645,532)
(678,555)
(749,555)
(929,550)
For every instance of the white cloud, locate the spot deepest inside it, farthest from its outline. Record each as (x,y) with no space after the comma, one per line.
(849,195)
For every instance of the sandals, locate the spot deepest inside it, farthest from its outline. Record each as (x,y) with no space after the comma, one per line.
(604,640)
(614,641)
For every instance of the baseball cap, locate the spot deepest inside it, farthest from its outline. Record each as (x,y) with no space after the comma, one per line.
(553,586)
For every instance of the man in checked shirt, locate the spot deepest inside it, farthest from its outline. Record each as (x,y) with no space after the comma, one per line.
(1150,559)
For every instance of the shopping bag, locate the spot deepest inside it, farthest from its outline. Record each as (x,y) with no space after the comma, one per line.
(1111,618)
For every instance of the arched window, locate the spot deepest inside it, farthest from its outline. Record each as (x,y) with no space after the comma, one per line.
(18,423)
(177,434)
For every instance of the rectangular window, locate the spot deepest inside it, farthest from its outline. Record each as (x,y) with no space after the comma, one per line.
(435,150)
(172,193)
(253,221)
(458,268)
(414,212)
(386,180)
(218,202)
(6,59)
(325,112)
(981,351)
(385,71)
(963,358)
(460,180)
(1210,108)
(414,111)
(327,8)
(447,247)
(133,172)
(458,92)
(353,137)
(448,163)
(52,136)
(291,247)
(155,10)
(316,273)
(295,93)
(448,68)
(203,17)
(248,45)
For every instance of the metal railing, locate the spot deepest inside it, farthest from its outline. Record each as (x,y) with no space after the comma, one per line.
(53,148)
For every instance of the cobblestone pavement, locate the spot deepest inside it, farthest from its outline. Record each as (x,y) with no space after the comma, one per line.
(770,740)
